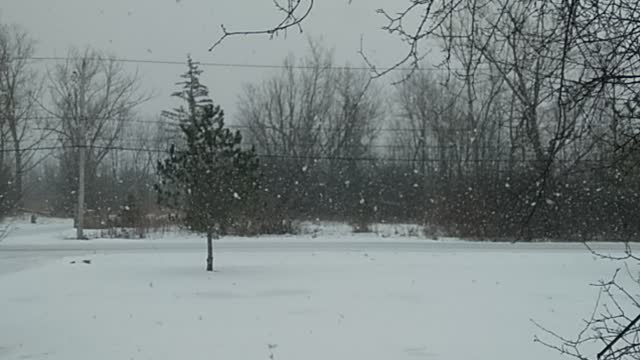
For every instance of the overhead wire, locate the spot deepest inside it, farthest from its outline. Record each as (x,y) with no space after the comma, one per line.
(310,157)
(232,64)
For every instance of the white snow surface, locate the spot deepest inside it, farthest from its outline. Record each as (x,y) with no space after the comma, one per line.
(297,297)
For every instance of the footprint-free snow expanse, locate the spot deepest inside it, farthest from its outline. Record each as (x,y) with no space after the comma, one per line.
(431,301)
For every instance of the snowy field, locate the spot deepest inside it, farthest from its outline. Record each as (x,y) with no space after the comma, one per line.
(333,296)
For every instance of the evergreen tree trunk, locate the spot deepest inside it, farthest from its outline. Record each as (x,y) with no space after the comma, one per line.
(209,251)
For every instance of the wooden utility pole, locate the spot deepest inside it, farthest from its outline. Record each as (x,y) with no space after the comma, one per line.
(81,164)
(82,155)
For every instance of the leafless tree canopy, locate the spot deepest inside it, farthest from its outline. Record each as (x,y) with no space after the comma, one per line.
(19,88)
(93,100)
(94,92)
(308,120)
(552,56)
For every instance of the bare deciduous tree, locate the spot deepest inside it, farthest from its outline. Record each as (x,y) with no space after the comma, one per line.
(93,99)
(285,117)
(612,330)
(314,123)
(19,89)
(357,114)
(427,115)
(286,114)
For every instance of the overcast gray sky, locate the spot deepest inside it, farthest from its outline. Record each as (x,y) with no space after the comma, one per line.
(170,29)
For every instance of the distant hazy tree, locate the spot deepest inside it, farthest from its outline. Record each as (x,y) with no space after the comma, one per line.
(430,124)
(93,100)
(19,91)
(5,172)
(314,121)
(287,113)
(208,177)
(6,201)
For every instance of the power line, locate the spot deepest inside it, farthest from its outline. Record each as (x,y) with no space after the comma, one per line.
(166,151)
(133,141)
(306,157)
(235,65)
(248,127)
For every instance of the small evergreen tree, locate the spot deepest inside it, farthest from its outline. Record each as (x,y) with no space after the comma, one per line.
(208,177)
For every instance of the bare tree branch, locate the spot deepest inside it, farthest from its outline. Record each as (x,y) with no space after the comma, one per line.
(294,13)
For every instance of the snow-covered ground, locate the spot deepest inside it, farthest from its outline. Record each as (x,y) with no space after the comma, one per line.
(305,297)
